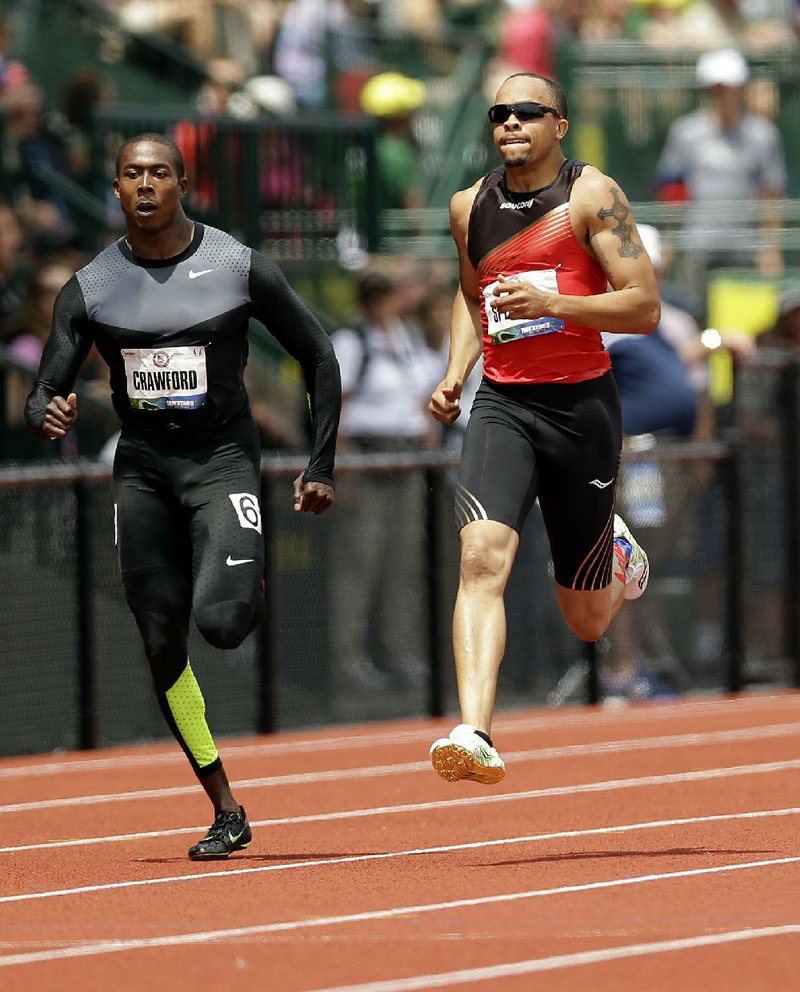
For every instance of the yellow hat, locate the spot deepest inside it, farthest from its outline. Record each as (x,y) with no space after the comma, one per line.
(390,94)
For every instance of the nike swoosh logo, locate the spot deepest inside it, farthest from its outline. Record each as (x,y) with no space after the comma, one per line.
(237,561)
(599,484)
(233,838)
(202,272)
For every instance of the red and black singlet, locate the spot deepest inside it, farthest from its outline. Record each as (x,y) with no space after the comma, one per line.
(529,236)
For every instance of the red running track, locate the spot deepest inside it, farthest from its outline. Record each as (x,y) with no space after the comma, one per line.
(654,847)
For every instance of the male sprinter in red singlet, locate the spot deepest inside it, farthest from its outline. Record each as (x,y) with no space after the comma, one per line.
(539,242)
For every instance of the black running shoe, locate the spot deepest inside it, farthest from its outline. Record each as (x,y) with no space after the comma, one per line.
(229,832)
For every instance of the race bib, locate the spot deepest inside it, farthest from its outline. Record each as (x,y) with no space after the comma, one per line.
(502,328)
(166,378)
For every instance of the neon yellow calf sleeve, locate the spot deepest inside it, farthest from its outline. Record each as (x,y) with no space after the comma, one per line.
(188,710)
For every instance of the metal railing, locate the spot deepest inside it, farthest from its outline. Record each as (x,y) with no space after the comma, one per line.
(64,614)
(296,185)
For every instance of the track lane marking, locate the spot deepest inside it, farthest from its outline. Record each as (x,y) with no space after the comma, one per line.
(505,724)
(389,855)
(671,778)
(176,940)
(560,961)
(675,741)
(350,814)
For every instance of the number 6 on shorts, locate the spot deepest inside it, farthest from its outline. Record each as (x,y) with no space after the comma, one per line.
(247,510)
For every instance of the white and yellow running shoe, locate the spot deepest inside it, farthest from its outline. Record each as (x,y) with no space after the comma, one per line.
(463,755)
(637,571)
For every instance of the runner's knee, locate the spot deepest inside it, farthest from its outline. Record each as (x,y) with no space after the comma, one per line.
(589,622)
(483,561)
(159,601)
(165,646)
(225,625)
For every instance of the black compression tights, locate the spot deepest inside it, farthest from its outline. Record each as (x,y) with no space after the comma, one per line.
(161,608)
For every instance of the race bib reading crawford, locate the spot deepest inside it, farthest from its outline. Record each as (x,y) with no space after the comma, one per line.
(166,378)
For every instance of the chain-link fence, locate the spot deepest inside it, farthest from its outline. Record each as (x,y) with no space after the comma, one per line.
(360,600)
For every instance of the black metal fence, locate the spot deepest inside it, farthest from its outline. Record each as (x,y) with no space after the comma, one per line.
(96,424)
(299,186)
(337,647)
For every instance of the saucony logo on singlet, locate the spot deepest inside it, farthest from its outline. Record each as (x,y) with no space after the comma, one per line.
(196,275)
(599,484)
(518,206)
(237,561)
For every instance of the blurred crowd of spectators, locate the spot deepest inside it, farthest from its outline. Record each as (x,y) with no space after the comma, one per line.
(289,34)
(263,57)
(40,245)
(290,38)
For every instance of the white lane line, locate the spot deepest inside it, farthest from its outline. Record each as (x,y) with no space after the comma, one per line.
(377,771)
(390,855)
(505,724)
(349,814)
(559,962)
(84,949)
(558,790)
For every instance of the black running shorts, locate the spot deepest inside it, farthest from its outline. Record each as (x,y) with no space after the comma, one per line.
(560,443)
(192,512)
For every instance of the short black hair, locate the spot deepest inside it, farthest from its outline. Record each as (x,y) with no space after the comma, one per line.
(157,139)
(557,95)
(373,285)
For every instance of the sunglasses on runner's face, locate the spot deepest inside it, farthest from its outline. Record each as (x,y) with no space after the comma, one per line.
(500,112)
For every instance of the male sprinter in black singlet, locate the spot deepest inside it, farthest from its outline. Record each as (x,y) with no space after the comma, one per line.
(168,308)
(539,241)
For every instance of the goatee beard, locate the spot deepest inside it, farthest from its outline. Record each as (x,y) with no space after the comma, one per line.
(519,159)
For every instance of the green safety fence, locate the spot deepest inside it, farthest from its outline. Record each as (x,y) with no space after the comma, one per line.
(55,38)
(304,187)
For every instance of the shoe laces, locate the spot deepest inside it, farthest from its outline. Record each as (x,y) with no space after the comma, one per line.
(223,819)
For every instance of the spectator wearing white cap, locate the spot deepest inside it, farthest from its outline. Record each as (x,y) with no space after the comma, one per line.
(721,157)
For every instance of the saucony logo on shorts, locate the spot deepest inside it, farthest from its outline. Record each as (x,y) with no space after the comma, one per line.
(237,561)
(599,484)
(196,275)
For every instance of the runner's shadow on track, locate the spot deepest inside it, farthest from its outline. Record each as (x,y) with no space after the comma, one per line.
(593,855)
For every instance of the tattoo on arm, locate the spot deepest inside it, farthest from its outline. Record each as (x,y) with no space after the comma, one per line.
(624,230)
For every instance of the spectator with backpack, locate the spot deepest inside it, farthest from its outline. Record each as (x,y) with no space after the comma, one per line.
(387,370)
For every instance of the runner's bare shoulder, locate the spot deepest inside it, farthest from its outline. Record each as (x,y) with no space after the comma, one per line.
(461,205)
